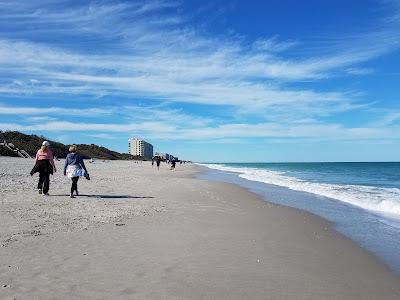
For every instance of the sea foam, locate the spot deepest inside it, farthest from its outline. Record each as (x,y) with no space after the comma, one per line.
(380,200)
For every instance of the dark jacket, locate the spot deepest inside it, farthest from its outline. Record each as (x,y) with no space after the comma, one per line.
(42,166)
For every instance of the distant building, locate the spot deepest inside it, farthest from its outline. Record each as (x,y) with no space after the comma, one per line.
(165,156)
(160,155)
(140,148)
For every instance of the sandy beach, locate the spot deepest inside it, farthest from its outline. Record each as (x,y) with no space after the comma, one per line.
(138,233)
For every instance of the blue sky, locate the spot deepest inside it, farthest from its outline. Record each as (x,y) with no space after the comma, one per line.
(207,80)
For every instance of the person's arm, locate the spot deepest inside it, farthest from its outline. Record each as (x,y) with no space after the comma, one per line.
(66,165)
(36,158)
(82,164)
(51,158)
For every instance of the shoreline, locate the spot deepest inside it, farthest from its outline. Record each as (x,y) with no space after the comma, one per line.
(382,245)
(189,238)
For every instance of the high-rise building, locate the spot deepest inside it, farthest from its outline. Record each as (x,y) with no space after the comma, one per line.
(140,148)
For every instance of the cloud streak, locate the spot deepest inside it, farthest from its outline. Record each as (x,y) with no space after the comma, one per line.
(32,111)
(155,59)
(163,130)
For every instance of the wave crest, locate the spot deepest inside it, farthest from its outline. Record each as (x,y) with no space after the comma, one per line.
(375,199)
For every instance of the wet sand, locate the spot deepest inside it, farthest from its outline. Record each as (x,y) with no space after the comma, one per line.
(139,233)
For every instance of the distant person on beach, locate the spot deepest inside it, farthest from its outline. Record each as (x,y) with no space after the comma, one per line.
(152,162)
(74,167)
(173,162)
(44,164)
(158,160)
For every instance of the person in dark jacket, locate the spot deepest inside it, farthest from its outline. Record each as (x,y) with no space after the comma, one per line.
(44,164)
(74,167)
(158,160)
(173,163)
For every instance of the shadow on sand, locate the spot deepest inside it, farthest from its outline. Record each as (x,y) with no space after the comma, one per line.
(116,196)
(108,196)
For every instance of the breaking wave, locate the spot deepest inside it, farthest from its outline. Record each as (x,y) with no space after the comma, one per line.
(375,199)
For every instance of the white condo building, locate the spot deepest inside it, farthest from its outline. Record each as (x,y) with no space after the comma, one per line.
(140,148)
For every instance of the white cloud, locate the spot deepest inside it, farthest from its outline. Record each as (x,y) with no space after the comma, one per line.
(221,133)
(359,71)
(389,119)
(273,45)
(170,63)
(103,136)
(126,113)
(46,112)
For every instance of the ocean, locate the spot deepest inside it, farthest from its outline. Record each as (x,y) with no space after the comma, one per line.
(361,200)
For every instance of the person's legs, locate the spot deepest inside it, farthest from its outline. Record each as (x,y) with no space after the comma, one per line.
(40,182)
(74,186)
(46,183)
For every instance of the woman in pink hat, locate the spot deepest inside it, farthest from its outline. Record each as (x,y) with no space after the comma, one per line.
(44,164)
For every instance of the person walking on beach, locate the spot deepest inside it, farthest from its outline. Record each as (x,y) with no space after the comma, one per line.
(173,162)
(158,160)
(73,168)
(44,164)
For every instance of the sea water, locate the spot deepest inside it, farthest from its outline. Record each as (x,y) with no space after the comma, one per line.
(362,200)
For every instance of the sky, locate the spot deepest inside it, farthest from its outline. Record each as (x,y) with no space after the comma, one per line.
(207,80)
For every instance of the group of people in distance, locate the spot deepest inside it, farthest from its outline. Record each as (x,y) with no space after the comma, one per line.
(157,159)
(74,168)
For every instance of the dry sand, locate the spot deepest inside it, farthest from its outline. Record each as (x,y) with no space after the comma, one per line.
(139,233)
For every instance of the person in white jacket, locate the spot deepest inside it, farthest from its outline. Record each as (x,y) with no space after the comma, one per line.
(74,167)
